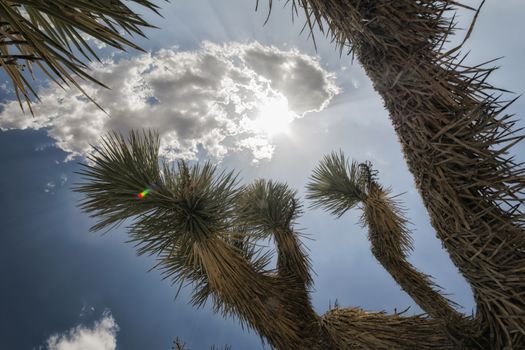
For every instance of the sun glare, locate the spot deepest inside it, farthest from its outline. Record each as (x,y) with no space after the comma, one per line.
(274,116)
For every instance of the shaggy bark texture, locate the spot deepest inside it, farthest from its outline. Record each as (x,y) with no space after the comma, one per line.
(455,137)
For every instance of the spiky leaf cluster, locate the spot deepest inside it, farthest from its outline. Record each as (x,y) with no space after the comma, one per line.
(198,205)
(338,185)
(196,201)
(202,199)
(266,206)
(117,172)
(269,208)
(52,35)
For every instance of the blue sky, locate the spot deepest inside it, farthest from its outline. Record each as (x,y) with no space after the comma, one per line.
(61,281)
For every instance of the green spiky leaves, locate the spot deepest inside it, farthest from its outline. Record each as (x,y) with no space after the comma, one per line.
(119,170)
(52,35)
(337,185)
(203,199)
(195,201)
(266,206)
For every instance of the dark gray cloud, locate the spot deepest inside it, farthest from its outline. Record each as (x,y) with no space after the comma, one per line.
(219,98)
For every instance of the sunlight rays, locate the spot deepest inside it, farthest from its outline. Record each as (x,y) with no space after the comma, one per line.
(274,116)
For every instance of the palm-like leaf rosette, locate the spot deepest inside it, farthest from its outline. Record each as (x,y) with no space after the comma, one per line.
(53,36)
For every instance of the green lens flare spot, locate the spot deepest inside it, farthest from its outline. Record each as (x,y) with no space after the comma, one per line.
(144,193)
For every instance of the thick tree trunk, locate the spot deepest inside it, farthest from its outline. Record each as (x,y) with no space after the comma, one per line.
(453,167)
(455,142)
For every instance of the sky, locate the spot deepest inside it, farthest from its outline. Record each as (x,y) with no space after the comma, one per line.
(212,81)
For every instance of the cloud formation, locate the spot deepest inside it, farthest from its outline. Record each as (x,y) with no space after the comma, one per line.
(214,99)
(102,336)
(52,185)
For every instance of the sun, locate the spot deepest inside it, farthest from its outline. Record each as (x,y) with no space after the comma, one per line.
(274,116)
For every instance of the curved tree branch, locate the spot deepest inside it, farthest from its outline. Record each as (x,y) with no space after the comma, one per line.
(353,328)
(390,241)
(338,185)
(269,208)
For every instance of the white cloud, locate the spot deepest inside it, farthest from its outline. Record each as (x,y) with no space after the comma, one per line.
(102,336)
(205,99)
(98,44)
(43,147)
(86,310)
(49,187)
(63,179)
(52,185)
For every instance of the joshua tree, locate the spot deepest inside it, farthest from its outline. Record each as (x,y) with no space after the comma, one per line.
(455,137)
(52,35)
(203,225)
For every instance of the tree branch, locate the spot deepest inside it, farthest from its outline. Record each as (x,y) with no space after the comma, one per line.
(390,241)
(353,328)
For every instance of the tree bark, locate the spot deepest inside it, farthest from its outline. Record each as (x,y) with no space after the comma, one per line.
(455,137)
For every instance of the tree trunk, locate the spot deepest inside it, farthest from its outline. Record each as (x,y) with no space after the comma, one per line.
(454,138)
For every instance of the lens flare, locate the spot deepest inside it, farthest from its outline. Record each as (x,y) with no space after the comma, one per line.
(144,193)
